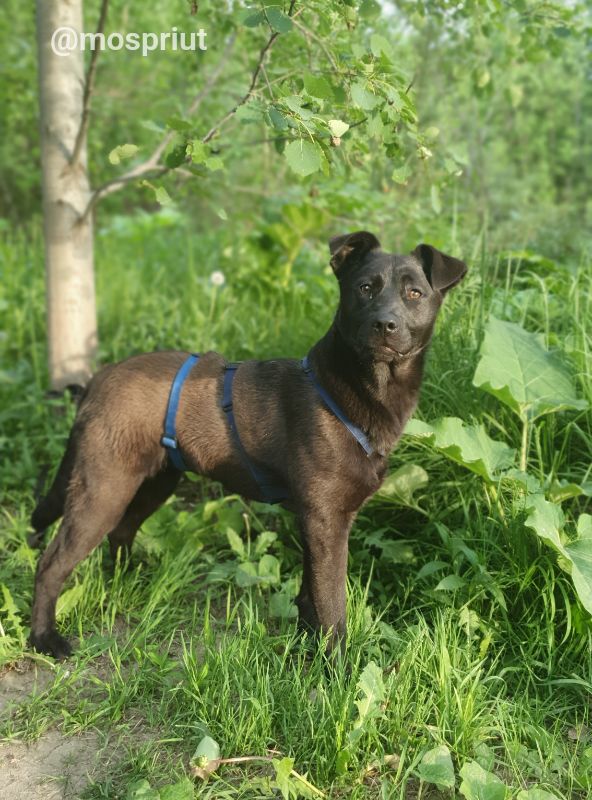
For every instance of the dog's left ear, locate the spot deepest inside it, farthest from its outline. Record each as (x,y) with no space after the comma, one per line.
(442,271)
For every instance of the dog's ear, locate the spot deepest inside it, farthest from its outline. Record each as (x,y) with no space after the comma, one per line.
(352,245)
(442,271)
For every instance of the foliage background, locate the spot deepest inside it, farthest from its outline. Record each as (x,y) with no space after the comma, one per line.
(497,666)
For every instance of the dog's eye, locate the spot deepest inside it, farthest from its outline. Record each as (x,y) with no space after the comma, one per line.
(412,293)
(366,289)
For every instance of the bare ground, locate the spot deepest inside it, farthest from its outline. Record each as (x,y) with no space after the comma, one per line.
(54,766)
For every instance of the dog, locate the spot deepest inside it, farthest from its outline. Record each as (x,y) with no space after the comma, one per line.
(314,435)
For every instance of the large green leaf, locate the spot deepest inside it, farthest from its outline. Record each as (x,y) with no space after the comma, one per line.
(436,767)
(547,520)
(468,445)
(517,369)
(478,784)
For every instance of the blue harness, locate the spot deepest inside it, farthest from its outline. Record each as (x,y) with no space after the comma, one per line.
(270,490)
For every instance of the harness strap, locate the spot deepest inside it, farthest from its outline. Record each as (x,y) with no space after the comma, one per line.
(169,440)
(270,490)
(355,431)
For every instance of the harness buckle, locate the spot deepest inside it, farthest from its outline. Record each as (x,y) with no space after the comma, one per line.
(170,441)
(226,407)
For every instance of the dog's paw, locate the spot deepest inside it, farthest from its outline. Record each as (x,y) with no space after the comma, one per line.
(35,540)
(51,643)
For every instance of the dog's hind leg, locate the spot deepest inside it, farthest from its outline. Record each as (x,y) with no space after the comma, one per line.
(149,497)
(96,501)
(51,507)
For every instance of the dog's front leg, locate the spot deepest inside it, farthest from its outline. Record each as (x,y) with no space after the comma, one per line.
(321,600)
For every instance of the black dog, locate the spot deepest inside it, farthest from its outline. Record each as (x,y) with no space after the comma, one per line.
(315,434)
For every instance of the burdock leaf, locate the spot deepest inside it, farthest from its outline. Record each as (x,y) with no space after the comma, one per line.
(436,767)
(517,369)
(469,445)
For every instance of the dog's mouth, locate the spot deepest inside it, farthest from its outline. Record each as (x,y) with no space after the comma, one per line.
(390,353)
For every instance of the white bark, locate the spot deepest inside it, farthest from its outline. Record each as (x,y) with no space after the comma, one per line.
(69,265)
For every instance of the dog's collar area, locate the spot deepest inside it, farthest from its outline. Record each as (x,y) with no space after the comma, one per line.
(271,492)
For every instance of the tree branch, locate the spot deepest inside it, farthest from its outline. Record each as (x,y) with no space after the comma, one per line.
(89,86)
(246,97)
(152,162)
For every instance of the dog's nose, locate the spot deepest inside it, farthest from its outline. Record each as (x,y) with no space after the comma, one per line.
(385,326)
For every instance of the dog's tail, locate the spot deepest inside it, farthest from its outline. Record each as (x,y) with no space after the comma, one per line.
(50,507)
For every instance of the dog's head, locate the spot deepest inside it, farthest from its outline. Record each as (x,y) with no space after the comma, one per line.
(389,303)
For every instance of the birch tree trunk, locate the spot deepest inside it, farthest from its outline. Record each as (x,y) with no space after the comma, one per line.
(69,263)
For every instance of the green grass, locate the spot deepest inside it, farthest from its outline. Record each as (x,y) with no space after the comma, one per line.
(178,647)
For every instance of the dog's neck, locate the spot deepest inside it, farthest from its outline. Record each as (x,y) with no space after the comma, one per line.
(378,396)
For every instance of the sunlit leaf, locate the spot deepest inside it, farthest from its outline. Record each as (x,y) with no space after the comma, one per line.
(478,784)
(436,767)
(517,369)
(121,152)
(469,445)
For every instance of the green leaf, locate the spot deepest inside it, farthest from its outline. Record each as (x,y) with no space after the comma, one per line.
(277,119)
(279,21)
(547,520)
(141,790)
(206,758)
(436,767)
(564,490)
(263,541)
(121,152)
(268,569)
(283,779)
(303,157)
(517,369)
(294,103)
(380,45)
(282,605)
(68,600)
(162,196)
(182,790)
(401,174)
(236,543)
(372,690)
(580,554)
(252,20)
(468,445)
(535,794)
(337,127)
(178,124)
(176,156)
(477,784)
(246,575)
(363,98)
(404,482)
(198,151)
(369,9)
(450,584)
(317,86)
(214,163)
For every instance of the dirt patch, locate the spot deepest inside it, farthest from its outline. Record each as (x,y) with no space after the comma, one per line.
(51,768)
(20,681)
